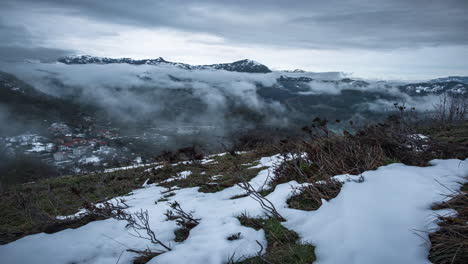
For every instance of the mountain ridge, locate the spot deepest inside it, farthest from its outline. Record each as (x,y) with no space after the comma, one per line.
(244,65)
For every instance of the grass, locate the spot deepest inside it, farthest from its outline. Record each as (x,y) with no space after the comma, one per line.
(449,244)
(282,244)
(225,167)
(181,234)
(309,198)
(456,133)
(31,208)
(145,256)
(302,201)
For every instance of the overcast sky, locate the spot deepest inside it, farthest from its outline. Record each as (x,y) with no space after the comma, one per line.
(397,39)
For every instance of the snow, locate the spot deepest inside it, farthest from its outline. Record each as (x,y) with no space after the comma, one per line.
(180,176)
(369,222)
(376,221)
(132,167)
(154,168)
(92,159)
(37,147)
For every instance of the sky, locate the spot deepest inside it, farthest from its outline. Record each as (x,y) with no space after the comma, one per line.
(377,39)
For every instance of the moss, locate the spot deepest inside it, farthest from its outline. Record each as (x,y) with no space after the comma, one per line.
(282,244)
(266,192)
(181,234)
(303,201)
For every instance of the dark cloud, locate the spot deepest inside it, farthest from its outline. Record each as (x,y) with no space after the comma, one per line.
(13,53)
(17,45)
(303,24)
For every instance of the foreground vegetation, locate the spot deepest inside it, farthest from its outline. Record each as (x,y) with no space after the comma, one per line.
(283,244)
(449,243)
(312,158)
(33,207)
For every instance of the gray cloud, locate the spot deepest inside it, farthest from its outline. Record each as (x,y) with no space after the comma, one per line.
(15,53)
(157,94)
(303,24)
(18,44)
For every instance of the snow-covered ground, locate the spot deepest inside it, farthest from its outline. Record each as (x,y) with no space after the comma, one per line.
(374,221)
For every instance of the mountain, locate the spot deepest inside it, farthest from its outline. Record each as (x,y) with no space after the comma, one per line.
(432,87)
(460,79)
(295,71)
(237,66)
(21,103)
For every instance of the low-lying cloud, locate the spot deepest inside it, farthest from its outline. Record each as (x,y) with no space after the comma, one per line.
(157,95)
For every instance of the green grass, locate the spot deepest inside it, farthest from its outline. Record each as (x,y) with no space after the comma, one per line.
(181,234)
(282,244)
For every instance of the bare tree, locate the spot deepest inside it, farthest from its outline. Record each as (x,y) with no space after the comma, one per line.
(451,108)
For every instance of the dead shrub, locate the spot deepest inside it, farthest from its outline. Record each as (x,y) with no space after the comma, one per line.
(266,204)
(192,153)
(261,140)
(449,244)
(138,222)
(310,197)
(185,220)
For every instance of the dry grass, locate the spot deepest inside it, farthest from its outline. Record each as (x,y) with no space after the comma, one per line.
(449,244)
(327,154)
(309,198)
(31,208)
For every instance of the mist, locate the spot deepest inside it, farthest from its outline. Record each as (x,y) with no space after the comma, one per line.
(164,95)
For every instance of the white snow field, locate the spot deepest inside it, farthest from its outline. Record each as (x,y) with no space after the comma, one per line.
(374,221)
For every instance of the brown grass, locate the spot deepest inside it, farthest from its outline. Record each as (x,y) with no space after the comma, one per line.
(449,244)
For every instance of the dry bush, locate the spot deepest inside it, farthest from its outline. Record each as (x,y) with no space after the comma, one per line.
(310,197)
(192,154)
(266,204)
(340,155)
(449,244)
(262,140)
(323,158)
(185,220)
(138,222)
(327,154)
(182,218)
(451,108)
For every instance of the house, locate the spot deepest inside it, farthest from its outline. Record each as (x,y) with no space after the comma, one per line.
(60,156)
(68,137)
(79,151)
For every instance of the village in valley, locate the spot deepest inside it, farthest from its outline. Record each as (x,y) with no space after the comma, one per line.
(73,150)
(94,147)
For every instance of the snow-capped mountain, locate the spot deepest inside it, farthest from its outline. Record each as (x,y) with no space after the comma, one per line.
(295,71)
(460,79)
(439,87)
(237,66)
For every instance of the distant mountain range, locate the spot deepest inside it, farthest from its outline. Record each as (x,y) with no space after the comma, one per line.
(460,79)
(300,93)
(237,66)
(454,85)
